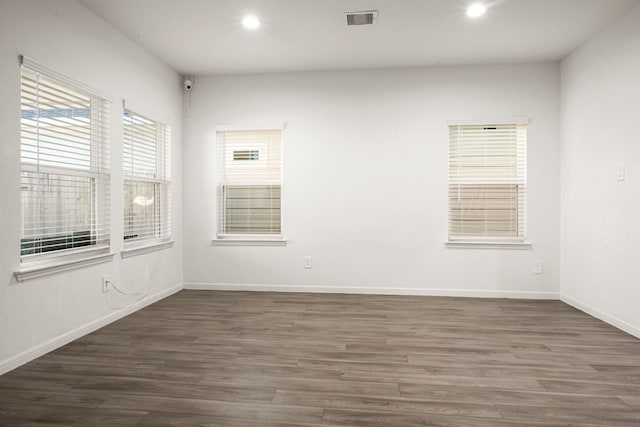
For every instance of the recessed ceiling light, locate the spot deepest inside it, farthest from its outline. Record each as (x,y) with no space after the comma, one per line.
(476,10)
(250,22)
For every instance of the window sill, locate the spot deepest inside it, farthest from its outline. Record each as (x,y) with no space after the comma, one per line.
(248,242)
(487,245)
(134,250)
(42,269)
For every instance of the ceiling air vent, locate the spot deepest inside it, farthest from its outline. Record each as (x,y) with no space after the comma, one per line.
(366,17)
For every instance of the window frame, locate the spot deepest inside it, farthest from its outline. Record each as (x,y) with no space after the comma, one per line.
(97,173)
(233,239)
(161,181)
(518,241)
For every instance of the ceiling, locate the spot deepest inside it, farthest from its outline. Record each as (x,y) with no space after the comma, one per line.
(205,37)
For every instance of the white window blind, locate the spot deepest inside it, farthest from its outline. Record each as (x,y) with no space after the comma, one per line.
(146,167)
(487,182)
(249,183)
(65,175)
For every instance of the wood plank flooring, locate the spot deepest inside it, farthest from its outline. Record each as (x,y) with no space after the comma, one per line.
(203,358)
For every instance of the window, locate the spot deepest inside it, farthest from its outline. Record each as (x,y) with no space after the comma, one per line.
(487,182)
(146,167)
(64,154)
(249,183)
(241,155)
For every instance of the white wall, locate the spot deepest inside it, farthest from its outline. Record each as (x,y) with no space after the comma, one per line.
(365,181)
(39,314)
(600,111)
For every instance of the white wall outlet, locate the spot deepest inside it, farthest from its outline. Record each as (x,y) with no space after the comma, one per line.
(620,172)
(307,262)
(537,267)
(106,283)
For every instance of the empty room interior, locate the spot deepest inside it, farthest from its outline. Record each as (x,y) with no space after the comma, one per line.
(320,213)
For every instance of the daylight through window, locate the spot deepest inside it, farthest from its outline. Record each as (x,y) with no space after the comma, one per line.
(146,167)
(65,175)
(249,183)
(487,182)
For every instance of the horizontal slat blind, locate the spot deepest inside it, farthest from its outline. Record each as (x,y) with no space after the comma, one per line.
(65,170)
(146,168)
(249,183)
(487,182)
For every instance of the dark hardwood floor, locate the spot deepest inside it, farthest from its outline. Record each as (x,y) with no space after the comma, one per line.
(203,358)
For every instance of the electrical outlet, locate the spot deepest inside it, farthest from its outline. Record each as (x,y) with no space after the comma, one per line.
(307,262)
(537,267)
(106,284)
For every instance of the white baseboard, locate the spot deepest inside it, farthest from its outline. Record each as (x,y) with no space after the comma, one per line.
(605,317)
(42,349)
(373,290)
